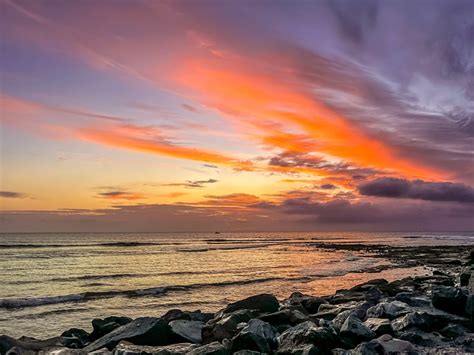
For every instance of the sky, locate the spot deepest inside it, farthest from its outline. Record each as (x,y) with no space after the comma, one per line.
(220,115)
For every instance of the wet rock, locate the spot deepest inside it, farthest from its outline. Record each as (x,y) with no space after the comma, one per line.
(106,325)
(284,317)
(187,330)
(306,333)
(379,326)
(142,331)
(353,328)
(264,303)
(390,310)
(256,335)
(225,327)
(450,299)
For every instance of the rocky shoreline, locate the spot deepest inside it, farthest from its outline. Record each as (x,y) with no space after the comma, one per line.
(417,315)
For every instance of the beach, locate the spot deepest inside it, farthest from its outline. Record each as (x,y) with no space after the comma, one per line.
(289,267)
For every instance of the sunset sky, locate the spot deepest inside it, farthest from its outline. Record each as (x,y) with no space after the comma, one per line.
(225,115)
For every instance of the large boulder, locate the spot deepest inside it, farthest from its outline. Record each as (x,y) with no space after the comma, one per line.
(142,331)
(305,333)
(225,327)
(390,310)
(257,335)
(264,303)
(177,314)
(31,344)
(420,320)
(385,344)
(188,330)
(284,317)
(450,299)
(330,311)
(379,326)
(106,325)
(353,328)
(309,304)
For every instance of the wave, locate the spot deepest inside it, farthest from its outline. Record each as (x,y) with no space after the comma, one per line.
(111,244)
(13,303)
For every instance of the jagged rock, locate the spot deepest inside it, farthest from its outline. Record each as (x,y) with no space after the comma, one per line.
(310,304)
(341,318)
(379,325)
(256,335)
(452,331)
(369,284)
(353,328)
(406,284)
(330,311)
(142,331)
(306,349)
(106,325)
(450,299)
(465,276)
(307,333)
(394,346)
(177,314)
(77,333)
(225,327)
(188,330)
(367,348)
(420,320)
(412,299)
(284,317)
(247,352)
(126,348)
(264,303)
(214,348)
(419,337)
(390,310)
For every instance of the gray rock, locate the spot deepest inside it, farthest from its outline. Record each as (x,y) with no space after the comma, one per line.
(264,303)
(187,329)
(177,314)
(330,311)
(214,348)
(256,335)
(379,325)
(309,304)
(141,331)
(27,343)
(419,320)
(419,337)
(394,346)
(307,349)
(125,348)
(450,299)
(367,348)
(469,309)
(354,328)
(225,327)
(306,333)
(465,276)
(106,325)
(284,316)
(390,310)
(452,331)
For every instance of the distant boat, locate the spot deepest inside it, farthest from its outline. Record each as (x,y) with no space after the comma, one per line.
(217,232)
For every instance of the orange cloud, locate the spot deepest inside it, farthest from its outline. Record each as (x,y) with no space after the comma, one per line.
(253,97)
(121,195)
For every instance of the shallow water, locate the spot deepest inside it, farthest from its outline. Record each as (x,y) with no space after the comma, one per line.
(52,282)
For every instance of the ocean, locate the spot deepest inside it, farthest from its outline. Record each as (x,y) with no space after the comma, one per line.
(52,282)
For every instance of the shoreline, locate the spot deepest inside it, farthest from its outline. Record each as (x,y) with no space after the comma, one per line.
(425,314)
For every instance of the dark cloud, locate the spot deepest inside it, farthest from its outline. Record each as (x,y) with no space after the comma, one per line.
(418,189)
(12,194)
(120,195)
(327,187)
(193,183)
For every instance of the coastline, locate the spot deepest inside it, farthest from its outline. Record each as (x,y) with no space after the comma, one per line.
(427,315)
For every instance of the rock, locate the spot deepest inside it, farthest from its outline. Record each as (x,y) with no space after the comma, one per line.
(305,333)
(214,348)
(142,331)
(367,348)
(406,284)
(341,318)
(177,314)
(330,311)
(247,352)
(369,284)
(256,335)
(126,348)
(77,333)
(469,309)
(353,328)
(390,310)
(106,325)
(284,317)
(225,327)
(394,346)
(420,320)
(310,304)
(465,276)
(412,299)
(450,299)
(452,331)
(27,343)
(421,338)
(263,303)
(187,330)
(306,349)
(379,325)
